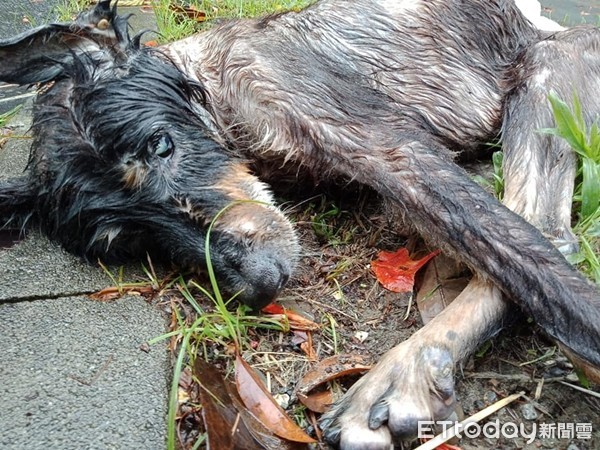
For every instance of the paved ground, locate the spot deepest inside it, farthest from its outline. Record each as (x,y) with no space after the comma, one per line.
(72,374)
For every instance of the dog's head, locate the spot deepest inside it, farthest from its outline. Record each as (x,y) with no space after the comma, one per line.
(126,161)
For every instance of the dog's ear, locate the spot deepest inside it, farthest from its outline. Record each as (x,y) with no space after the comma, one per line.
(17,200)
(43,53)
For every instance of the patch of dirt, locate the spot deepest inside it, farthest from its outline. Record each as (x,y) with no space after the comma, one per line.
(342,230)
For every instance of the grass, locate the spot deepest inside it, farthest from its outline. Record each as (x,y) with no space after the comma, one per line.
(174,24)
(217,327)
(329,224)
(68,9)
(5,117)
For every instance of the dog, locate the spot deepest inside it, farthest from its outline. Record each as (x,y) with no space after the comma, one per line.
(136,150)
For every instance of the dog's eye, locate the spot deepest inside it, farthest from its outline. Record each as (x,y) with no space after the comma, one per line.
(162,145)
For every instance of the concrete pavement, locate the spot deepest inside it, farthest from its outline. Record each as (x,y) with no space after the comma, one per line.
(72,374)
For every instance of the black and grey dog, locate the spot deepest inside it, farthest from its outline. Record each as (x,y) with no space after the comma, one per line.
(136,150)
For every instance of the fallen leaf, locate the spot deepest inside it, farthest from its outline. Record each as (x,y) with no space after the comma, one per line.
(443,446)
(396,271)
(318,401)
(329,369)
(443,280)
(261,404)
(114,292)
(228,423)
(223,428)
(295,320)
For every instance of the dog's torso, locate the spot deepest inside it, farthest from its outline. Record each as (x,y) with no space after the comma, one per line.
(377,67)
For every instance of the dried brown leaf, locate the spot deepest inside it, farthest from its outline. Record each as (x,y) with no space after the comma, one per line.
(443,280)
(228,423)
(263,406)
(318,401)
(329,369)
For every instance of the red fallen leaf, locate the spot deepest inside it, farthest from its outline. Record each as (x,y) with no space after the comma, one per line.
(444,446)
(273,308)
(448,447)
(296,321)
(396,271)
(263,406)
(329,369)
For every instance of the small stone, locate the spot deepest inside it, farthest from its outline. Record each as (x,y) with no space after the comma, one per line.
(528,412)
(282,400)
(361,336)
(490,397)
(572,446)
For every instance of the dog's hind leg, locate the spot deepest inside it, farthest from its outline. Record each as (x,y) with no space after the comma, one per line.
(539,168)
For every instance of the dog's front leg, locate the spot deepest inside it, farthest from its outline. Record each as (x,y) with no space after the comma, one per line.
(414,382)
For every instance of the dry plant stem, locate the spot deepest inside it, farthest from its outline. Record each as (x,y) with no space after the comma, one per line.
(580,389)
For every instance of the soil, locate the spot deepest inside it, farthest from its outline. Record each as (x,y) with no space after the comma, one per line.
(342,228)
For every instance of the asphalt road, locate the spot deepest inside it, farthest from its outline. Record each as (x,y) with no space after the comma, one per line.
(18,15)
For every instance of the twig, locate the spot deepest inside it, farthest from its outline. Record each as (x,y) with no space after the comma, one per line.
(512,376)
(580,389)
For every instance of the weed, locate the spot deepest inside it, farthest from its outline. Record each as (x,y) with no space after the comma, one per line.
(68,9)
(325,220)
(497,160)
(174,25)
(5,117)
(494,185)
(330,331)
(571,126)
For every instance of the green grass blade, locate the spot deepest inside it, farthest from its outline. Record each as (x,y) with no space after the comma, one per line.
(567,124)
(173,395)
(590,187)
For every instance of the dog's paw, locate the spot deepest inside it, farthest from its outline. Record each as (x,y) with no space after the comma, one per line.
(411,383)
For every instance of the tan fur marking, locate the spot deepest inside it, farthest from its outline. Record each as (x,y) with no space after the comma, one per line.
(240,184)
(134,176)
